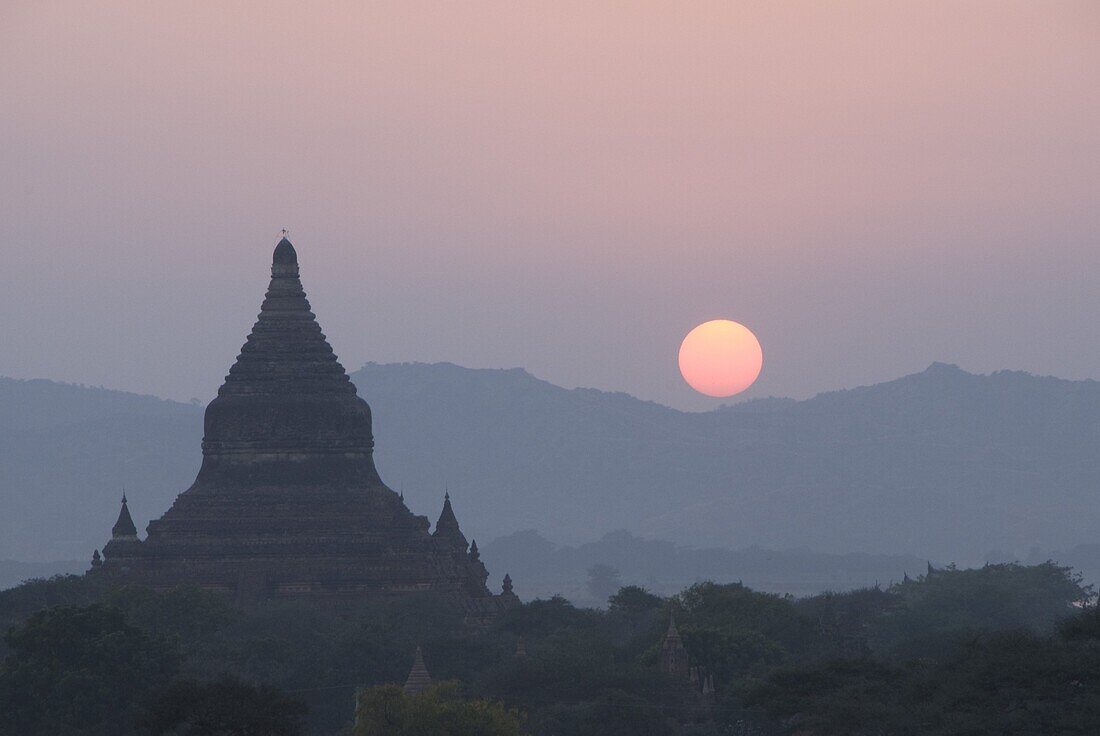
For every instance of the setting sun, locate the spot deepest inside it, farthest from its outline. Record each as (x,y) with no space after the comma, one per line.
(720,358)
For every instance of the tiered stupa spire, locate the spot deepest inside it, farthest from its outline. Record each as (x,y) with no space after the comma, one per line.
(287,404)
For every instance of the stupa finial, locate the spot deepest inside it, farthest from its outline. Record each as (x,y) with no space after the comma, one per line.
(284,261)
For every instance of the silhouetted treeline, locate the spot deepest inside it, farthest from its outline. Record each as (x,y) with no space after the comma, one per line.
(82,659)
(541,568)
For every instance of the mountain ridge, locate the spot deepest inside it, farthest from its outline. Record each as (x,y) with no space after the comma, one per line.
(942,463)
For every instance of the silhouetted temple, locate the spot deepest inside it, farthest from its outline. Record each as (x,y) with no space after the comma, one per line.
(288,503)
(673,657)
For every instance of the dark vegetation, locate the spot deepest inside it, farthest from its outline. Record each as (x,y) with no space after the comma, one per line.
(1003,649)
(385,710)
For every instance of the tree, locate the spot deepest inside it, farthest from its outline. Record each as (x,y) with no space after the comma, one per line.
(618,713)
(80,670)
(636,616)
(438,711)
(185,611)
(1002,683)
(634,599)
(19,603)
(734,631)
(1084,627)
(946,608)
(542,617)
(227,707)
(842,698)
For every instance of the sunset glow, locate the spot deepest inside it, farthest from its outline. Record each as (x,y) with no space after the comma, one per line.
(720,358)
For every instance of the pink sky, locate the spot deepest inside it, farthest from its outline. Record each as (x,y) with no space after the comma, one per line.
(566,187)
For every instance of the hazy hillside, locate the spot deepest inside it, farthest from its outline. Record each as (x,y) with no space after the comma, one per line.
(65,453)
(941,464)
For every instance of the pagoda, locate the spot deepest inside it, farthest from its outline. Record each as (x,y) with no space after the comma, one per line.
(673,657)
(288,503)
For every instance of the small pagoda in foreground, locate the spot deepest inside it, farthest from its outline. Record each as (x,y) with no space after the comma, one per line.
(288,503)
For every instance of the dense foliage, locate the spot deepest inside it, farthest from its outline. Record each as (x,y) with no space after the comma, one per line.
(224,707)
(1005,648)
(1006,683)
(80,671)
(385,710)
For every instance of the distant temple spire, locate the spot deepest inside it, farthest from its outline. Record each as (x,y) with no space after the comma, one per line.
(124,528)
(673,656)
(447,521)
(419,680)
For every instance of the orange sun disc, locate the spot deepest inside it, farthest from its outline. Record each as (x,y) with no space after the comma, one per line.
(720,358)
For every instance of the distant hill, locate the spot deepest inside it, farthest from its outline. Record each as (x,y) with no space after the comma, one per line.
(941,464)
(65,453)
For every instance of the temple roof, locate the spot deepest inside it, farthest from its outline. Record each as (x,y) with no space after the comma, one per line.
(447,526)
(419,679)
(447,521)
(124,528)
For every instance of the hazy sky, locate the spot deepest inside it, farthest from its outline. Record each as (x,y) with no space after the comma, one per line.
(566,187)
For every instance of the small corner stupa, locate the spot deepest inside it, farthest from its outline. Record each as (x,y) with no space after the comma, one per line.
(288,503)
(418,680)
